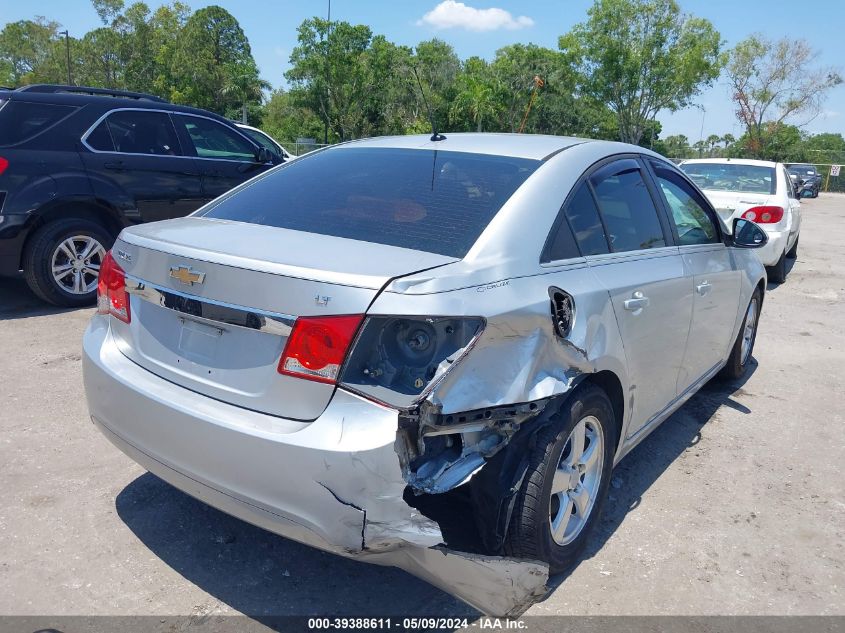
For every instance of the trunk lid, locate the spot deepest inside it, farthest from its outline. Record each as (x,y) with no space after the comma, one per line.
(732,204)
(219,323)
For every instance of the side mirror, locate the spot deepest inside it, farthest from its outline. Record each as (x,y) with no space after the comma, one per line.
(747,234)
(263,156)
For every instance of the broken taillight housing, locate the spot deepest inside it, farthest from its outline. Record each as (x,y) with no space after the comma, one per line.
(398,360)
(112,297)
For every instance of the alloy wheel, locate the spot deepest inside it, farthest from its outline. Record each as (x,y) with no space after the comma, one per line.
(577,480)
(76,262)
(748,330)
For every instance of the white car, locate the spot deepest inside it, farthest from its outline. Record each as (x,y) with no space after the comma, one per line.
(757,190)
(264,140)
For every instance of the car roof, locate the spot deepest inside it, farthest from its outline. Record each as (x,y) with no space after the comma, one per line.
(532,146)
(33,94)
(736,161)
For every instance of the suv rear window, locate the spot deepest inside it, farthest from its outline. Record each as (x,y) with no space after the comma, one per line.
(426,200)
(21,120)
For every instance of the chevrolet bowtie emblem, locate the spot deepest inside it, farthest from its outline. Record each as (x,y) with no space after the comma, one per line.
(187,275)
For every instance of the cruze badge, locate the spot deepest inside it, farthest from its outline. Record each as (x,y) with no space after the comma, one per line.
(187,275)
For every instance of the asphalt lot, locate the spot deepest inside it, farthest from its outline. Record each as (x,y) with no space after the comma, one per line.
(736,505)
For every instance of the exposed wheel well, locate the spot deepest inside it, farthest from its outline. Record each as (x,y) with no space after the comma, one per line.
(92,211)
(611,385)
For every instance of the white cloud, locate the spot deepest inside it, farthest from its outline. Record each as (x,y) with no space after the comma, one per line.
(451,14)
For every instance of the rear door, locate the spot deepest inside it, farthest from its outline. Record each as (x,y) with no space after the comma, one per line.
(715,277)
(224,156)
(631,252)
(134,155)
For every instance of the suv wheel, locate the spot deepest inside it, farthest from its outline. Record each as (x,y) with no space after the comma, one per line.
(564,490)
(62,261)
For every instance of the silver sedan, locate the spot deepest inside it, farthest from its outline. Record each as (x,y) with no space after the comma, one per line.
(423,353)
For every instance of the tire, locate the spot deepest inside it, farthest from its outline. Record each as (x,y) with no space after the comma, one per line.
(530,530)
(741,355)
(777,273)
(50,248)
(792,253)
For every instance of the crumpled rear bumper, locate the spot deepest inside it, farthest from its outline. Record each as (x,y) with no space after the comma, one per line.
(334,483)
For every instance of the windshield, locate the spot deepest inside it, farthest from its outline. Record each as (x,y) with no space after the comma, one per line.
(425,200)
(732,177)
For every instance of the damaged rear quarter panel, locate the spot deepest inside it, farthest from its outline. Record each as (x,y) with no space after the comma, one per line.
(517,360)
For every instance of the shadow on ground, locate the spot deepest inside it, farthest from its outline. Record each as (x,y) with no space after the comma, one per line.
(18,302)
(263,575)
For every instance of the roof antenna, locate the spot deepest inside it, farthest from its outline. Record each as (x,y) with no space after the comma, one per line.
(435,135)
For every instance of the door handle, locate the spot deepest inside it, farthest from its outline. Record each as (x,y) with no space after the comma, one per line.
(703,288)
(118,165)
(637,302)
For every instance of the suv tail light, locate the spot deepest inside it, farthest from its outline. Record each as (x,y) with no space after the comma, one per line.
(112,297)
(764,215)
(3,164)
(398,360)
(317,346)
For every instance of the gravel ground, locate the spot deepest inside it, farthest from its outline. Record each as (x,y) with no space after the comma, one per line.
(735,505)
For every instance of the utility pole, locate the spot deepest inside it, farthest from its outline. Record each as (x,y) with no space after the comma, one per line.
(67,51)
(326,122)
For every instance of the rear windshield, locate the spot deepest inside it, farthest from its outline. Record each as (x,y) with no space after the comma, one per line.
(20,121)
(802,170)
(426,200)
(732,177)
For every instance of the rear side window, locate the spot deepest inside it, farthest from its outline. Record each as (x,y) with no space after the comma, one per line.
(426,200)
(627,208)
(213,140)
(20,120)
(135,132)
(583,216)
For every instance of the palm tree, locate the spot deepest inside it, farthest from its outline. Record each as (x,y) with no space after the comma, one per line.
(243,83)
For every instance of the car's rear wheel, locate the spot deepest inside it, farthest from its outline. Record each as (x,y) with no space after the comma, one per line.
(62,261)
(564,490)
(743,347)
(777,273)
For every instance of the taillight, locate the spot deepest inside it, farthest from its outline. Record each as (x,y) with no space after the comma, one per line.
(399,360)
(112,297)
(764,215)
(317,346)
(3,164)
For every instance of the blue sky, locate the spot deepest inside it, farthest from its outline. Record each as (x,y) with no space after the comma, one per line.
(271,29)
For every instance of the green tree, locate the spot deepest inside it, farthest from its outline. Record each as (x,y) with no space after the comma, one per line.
(211,46)
(243,83)
(677,146)
(477,97)
(26,47)
(642,57)
(772,82)
(329,74)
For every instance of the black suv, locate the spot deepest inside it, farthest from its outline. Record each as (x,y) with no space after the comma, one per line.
(78,164)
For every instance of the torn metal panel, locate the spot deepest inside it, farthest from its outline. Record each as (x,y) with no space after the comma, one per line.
(439,451)
(496,586)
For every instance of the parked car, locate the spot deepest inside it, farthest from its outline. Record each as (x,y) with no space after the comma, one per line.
(79,164)
(265,140)
(761,191)
(427,354)
(806,177)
